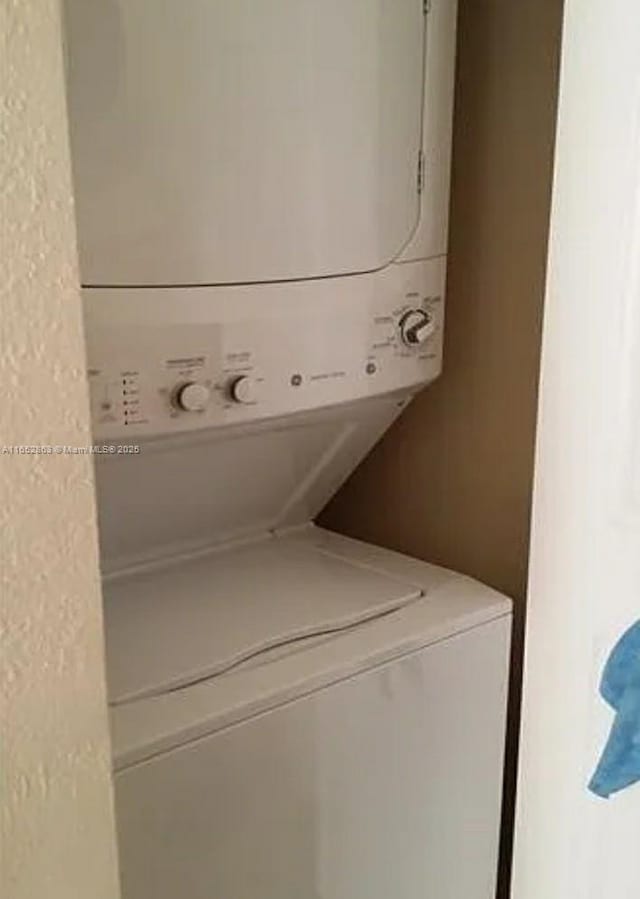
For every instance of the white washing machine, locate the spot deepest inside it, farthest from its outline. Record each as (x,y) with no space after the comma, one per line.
(294,714)
(262,192)
(307,716)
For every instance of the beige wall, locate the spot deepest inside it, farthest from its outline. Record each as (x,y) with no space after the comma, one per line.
(57,837)
(451,482)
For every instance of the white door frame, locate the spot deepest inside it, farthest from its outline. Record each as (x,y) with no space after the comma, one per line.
(584,585)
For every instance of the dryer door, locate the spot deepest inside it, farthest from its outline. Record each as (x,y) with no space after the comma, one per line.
(232,141)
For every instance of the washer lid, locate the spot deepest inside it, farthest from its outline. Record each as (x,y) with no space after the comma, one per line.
(172,627)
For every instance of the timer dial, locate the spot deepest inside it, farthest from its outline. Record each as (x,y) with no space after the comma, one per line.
(416,327)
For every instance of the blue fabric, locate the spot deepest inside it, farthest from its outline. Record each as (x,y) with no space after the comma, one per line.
(619,767)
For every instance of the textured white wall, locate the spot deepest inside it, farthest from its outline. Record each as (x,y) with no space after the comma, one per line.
(57,837)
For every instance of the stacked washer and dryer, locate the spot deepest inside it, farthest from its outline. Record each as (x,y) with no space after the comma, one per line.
(261,196)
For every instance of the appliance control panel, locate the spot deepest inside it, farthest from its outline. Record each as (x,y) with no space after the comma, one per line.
(170,360)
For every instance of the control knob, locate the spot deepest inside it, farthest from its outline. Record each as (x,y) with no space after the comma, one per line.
(244,389)
(192,397)
(416,327)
